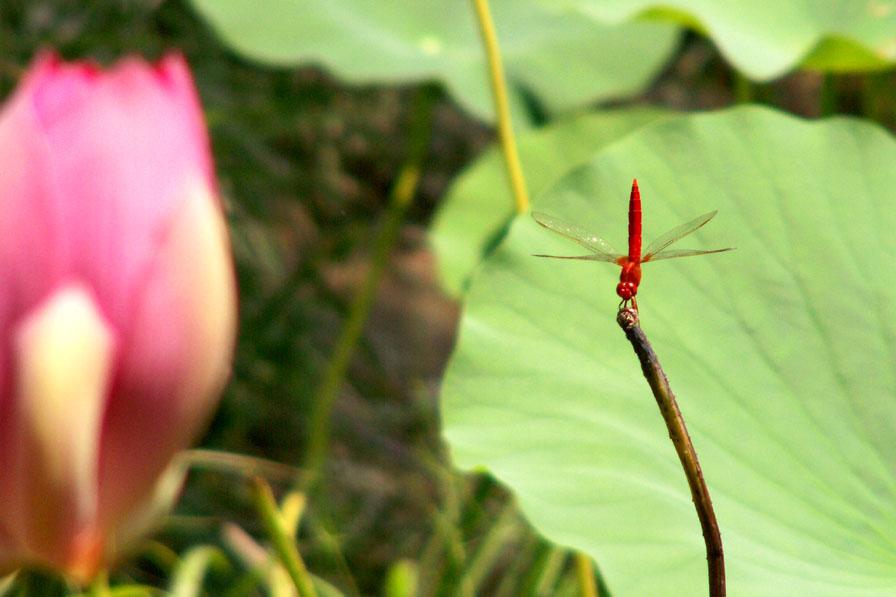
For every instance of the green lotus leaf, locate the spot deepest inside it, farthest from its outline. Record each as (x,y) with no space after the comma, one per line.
(552,57)
(782,354)
(479,205)
(767,38)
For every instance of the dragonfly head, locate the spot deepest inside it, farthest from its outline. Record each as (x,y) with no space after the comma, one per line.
(626,290)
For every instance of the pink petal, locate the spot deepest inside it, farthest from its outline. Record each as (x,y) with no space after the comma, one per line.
(176,356)
(64,358)
(110,154)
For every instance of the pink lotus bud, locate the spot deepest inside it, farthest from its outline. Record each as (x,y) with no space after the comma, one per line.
(117,302)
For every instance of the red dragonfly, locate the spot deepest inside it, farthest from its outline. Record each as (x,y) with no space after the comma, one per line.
(601,250)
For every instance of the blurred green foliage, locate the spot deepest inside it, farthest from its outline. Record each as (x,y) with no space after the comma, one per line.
(767,38)
(431,40)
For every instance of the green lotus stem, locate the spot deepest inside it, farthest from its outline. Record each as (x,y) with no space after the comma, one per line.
(401,196)
(100,585)
(546,567)
(585,576)
(488,551)
(283,541)
(678,432)
(873,96)
(193,568)
(240,464)
(828,95)
(744,90)
(502,109)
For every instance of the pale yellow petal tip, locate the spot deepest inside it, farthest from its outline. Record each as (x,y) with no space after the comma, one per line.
(64,355)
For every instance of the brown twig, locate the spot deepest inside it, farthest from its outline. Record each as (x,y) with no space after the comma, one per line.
(665,399)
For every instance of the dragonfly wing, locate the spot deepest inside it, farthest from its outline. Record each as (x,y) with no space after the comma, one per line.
(676,234)
(602,250)
(595,257)
(684,253)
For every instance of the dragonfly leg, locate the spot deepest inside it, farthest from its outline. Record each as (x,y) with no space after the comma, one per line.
(623,304)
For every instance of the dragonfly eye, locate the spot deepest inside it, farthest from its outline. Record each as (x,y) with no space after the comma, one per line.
(626,290)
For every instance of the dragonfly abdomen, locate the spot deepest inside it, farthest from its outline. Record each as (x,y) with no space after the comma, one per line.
(634,223)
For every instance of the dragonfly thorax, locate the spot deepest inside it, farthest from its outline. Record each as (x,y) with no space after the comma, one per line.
(629,279)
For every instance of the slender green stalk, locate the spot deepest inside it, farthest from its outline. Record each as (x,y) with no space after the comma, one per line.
(401,196)
(744,89)
(240,464)
(445,550)
(516,572)
(283,541)
(870,97)
(877,101)
(665,399)
(100,585)
(7,582)
(502,109)
(401,580)
(828,95)
(328,544)
(585,576)
(191,570)
(550,571)
(159,555)
(487,552)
